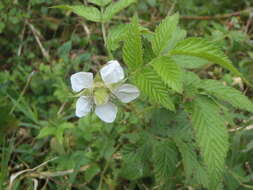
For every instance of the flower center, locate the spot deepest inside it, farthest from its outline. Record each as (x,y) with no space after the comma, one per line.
(101,96)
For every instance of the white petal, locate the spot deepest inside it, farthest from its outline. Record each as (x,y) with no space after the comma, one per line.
(83,106)
(106,112)
(126,93)
(81,80)
(112,72)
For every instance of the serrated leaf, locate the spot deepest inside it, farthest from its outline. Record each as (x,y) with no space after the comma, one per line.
(212,138)
(89,13)
(227,94)
(115,8)
(132,50)
(135,160)
(191,81)
(164,160)
(163,34)
(169,72)
(204,49)
(101,3)
(116,35)
(189,62)
(153,87)
(193,169)
(177,36)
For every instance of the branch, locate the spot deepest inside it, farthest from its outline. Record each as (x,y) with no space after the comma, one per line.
(16,175)
(220,16)
(47,174)
(250,127)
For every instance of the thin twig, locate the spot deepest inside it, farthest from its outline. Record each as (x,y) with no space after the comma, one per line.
(35,184)
(47,174)
(37,35)
(86,29)
(21,39)
(171,10)
(250,127)
(16,175)
(23,32)
(61,108)
(220,16)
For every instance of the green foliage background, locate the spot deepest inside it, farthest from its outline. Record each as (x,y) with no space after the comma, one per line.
(148,147)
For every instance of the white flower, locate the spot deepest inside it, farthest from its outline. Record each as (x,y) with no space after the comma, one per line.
(101,90)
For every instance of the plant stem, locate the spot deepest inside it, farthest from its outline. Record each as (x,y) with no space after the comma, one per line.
(105,36)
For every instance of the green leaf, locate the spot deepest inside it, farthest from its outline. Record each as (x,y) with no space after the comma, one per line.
(134,161)
(164,160)
(189,62)
(153,87)
(61,129)
(177,36)
(64,49)
(116,35)
(47,131)
(164,33)
(89,13)
(191,82)
(132,50)
(227,94)
(91,172)
(100,3)
(116,7)
(212,138)
(193,169)
(202,48)
(169,71)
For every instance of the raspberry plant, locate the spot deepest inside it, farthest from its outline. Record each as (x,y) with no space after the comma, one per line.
(191,144)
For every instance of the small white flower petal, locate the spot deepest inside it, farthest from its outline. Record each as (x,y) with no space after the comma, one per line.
(83,106)
(81,80)
(106,112)
(112,72)
(126,93)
